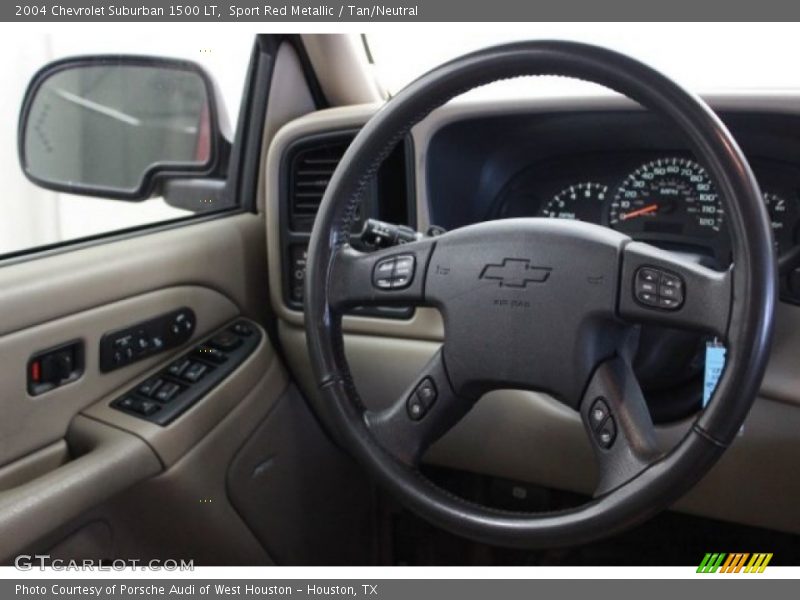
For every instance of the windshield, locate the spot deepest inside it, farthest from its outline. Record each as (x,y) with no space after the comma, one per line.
(726,56)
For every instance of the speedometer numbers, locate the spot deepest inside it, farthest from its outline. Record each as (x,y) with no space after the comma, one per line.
(581,202)
(667,196)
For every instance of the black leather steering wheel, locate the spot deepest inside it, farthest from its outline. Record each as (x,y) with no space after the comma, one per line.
(541,304)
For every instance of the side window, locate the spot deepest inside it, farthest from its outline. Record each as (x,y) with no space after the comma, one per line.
(102,134)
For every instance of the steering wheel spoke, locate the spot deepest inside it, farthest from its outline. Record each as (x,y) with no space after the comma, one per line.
(658,286)
(392,276)
(427,410)
(618,423)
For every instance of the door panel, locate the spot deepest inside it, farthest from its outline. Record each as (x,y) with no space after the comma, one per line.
(66,451)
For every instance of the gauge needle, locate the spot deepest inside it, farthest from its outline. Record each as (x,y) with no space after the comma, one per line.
(640,211)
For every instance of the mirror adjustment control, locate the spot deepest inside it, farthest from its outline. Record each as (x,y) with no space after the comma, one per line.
(656,288)
(125,346)
(226,341)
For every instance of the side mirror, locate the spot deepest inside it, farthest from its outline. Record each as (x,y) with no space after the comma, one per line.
(119,126)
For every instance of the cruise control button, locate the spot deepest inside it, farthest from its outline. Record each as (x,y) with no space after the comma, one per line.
(403,271)
(383,273)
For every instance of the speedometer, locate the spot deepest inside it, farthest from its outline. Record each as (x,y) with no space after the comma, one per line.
(667,196)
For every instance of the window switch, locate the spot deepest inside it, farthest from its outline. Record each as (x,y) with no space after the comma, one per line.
(178,367)
(195,372)
(167,392)
(149,387)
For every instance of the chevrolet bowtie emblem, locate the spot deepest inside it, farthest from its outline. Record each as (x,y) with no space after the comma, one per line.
(515,273)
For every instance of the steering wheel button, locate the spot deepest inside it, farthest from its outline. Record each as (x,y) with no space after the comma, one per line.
(598,413)
(648,275)
(415,408)
(647,298)
(647,287)
(404,264)
(668,303)
(426,392)
(669,292)
(671,281)
(607,433)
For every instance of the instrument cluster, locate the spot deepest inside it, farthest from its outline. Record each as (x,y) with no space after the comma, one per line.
(667,200)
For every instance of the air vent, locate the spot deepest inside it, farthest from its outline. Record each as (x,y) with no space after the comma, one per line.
(311,170)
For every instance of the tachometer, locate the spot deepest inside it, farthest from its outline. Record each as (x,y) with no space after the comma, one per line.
(582,202)
(669,195)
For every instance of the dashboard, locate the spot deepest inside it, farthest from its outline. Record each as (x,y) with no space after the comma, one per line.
(627,171)
(473,161)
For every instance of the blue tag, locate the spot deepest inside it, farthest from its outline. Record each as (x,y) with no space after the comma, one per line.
(715,363)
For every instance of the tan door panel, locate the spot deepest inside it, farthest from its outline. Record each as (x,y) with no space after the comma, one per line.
(29,422)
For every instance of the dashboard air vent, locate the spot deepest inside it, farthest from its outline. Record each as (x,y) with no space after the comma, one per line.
(311,169)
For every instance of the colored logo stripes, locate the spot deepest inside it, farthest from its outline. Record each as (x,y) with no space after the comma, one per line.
(734,563)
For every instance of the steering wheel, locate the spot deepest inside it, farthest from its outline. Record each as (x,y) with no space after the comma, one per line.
(542,304)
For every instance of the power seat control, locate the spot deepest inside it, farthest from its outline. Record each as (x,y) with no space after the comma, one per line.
(394,273)
(421,399)
(602,423)
(656,288)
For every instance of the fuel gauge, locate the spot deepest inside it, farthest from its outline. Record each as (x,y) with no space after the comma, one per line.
(783,215)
